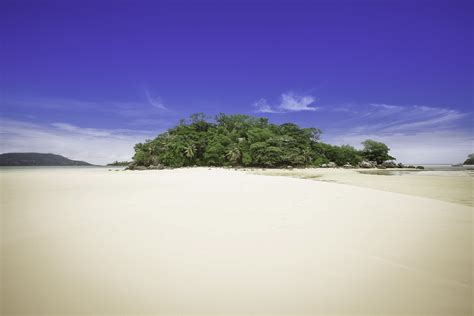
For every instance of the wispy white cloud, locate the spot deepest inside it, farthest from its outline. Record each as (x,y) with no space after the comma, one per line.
(440,147)
(146,112)
(289,102)
(416,134)
(294,103)
(82,131)
(98,146)
(156,102)
(386,106)
(382,118)
(262,106)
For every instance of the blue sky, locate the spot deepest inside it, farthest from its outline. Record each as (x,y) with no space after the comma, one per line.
(88,79)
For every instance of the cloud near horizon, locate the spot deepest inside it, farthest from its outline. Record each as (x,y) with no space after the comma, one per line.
(415,134)
(97,146)
(289,102)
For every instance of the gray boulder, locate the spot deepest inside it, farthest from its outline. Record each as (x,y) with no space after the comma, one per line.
(139,168)
(389,164)
(156,167)
(400,165)
(420,167)
(366,164)
(332,164)
(381,167)
(131,166)
(348,166)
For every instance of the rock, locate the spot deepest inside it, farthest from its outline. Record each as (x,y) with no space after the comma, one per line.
(131,166)
(156,167)
(366,164)
(332,164)
(139,168)
(420,167)
(324,165)
(381,167)
(348,166)
(389,164)
(400,165)
(411,167)
(289,167)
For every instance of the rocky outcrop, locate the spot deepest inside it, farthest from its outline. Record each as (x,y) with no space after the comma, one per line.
(390,164)
(134,166)
(366,164)
(329,165)
(156,167)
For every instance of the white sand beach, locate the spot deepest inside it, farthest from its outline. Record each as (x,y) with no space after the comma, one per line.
(89,241)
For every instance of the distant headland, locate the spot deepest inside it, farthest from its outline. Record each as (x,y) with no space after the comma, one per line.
(38,159)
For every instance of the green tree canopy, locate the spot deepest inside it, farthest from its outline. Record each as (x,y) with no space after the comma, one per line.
(242,140)
(469,160)
(375,151)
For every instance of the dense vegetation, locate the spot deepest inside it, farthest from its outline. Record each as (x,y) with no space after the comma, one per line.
(38,159)
(469,160)
(241,140)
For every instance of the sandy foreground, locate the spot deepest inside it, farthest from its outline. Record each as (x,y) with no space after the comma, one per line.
(198,241)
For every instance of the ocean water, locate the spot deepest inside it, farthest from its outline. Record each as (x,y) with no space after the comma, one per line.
(447,168)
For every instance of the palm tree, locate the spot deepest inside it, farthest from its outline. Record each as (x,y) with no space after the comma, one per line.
(190,151)
(234,154)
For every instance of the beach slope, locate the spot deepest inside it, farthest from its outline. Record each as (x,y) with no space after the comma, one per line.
(199,241)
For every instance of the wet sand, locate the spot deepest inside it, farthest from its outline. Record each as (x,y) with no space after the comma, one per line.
(198,241)
(449,186)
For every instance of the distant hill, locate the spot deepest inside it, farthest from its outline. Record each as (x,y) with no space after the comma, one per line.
(38,159)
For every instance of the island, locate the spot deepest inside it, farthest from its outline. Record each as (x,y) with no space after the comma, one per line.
(242,140)
(38,159)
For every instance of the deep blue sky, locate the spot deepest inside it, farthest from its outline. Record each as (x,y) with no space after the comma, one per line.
(383,69)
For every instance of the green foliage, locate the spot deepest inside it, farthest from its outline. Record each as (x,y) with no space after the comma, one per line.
(375,151)
(119,163)
(241,140)
(469,160)
(318,162)
(343,154)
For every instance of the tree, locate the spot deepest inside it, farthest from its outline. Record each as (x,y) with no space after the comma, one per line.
(376,151)
(344,154)
(247,141)
(234,155)
(469,160)
(190,150)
